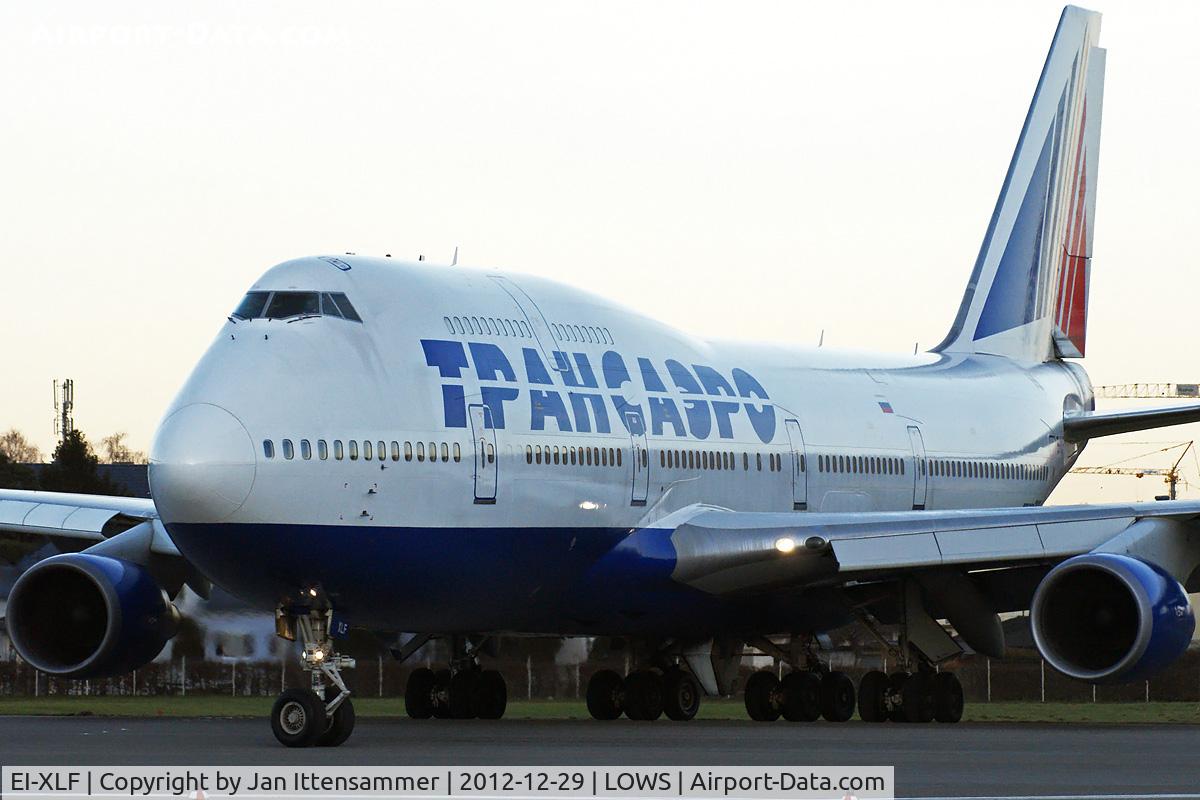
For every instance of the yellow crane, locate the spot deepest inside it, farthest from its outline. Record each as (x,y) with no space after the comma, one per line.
(1171,475)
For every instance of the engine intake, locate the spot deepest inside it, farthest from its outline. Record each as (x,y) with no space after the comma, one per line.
(1110,618)
(80,615)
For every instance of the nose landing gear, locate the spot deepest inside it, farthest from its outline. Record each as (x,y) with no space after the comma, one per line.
(302,716)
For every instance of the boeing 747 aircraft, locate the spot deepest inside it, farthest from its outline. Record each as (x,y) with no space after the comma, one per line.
(460,454)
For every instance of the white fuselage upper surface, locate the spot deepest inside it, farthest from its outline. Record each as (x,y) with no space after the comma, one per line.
(453,373)
(990,430)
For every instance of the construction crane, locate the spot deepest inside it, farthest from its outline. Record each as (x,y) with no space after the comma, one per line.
(1149,390)
(1171,475)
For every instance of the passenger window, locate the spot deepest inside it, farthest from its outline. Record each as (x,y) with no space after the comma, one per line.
(337,449)
(408,451)
(322,450)
(252,305)
(305,450)
(528,454)
(525,330)
(366,451)
(449,324)
(491,453)
(433,451)
(618,457)
(344,304)
(268,448)
(288,451)
(353,450)
(508,331)
(457,453)
(537,454)
(607,335)
(395,451)
(458,326)
(420,451)
(445,452)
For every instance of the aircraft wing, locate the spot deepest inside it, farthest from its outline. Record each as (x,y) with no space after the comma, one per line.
(122,527)
(724,552)
(1085,425)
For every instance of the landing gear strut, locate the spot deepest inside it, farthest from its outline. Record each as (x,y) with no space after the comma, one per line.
(304,716)
(464,691)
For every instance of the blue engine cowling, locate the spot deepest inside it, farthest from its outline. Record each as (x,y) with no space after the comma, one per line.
(1110,618)
(79,615)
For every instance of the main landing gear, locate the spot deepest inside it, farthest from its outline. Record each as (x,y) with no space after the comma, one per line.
(464,691)
(802,696)
(304,716)
(921,696)
(644,695)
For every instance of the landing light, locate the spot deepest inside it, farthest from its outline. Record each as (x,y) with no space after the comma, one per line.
(312,592)
(785,544)
(589,505)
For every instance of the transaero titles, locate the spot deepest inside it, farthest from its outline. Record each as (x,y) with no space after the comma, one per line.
(710,400)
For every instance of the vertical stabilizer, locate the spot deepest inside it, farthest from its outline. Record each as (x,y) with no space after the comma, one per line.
(1028,293)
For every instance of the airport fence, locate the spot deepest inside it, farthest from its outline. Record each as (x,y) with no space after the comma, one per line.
(1023,678)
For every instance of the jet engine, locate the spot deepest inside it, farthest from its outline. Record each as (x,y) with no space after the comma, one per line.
(81,615)
(1109,618)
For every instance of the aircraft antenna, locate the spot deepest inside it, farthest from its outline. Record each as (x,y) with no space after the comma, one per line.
(454,261)
(821,339)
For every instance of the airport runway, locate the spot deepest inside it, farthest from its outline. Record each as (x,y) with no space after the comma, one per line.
(970,760)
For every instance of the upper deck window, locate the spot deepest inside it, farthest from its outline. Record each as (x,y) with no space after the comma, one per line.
(291,305)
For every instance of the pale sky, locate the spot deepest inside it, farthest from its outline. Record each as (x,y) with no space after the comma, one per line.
(747,170)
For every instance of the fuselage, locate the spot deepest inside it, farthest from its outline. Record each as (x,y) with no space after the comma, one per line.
(462,455)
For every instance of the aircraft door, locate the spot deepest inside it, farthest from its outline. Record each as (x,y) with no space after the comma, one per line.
(920,473)
(484,437)
(799,465)
(640,457)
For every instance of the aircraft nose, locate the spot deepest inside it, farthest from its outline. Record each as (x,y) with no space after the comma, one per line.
(201,465)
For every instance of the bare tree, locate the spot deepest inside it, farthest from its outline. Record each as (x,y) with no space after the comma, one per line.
(113,450)
(19,449)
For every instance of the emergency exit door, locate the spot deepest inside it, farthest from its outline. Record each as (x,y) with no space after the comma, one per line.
(799,465)
(920,471)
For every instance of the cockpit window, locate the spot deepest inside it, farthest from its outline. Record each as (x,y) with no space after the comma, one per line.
(343,303)
(252,305)
(328,307)
(292,304)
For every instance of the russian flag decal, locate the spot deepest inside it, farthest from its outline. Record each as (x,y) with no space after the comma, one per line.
(886,407)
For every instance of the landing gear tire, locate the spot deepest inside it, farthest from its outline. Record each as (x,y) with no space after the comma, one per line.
(801,696)
(605,695)
(896,683)
(837,697)
(441,694)
(462,692)
(762,697)
(947,697)
(872,697)
(681,695)
(418,693)
(298,717)
(340,726)
(489,696)
(644,695)
(916,698)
